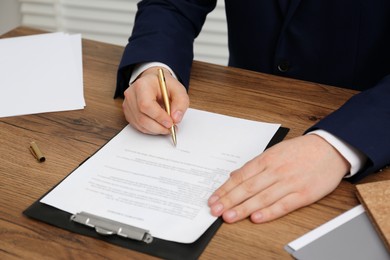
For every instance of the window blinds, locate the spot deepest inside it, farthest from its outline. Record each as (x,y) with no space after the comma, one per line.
(111,21)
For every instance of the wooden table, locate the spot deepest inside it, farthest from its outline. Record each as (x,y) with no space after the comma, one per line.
(67,138)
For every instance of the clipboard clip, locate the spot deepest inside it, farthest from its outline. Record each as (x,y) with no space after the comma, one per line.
(107,227)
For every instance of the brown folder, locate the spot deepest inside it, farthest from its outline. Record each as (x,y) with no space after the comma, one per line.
(375,198)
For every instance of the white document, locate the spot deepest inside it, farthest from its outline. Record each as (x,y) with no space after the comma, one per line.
(144,181)
(41,73)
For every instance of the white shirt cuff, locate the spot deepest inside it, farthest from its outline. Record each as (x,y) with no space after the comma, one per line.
(350,153)
(139,68)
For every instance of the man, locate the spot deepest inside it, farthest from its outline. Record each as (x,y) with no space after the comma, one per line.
(341,43)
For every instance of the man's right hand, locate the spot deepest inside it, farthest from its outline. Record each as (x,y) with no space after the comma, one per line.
(143,104)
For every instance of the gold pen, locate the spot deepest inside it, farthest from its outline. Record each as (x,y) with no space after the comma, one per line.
(164,92)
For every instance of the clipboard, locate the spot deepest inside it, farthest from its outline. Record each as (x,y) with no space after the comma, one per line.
(158,247)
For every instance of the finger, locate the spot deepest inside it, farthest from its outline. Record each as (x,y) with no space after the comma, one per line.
(149,106)
(261,200)
(285,205)
(179,100)
(237,177)
(140,121)
(142,109)
(250,195)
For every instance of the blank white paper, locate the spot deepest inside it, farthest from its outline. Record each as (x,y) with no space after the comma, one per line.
(41,73)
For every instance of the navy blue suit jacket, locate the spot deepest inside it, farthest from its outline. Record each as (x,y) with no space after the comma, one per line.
(344,43)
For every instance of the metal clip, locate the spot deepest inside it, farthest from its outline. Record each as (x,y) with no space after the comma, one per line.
(107,227)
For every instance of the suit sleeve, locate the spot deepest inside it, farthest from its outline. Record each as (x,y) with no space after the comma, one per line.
(364,122)
(164,31)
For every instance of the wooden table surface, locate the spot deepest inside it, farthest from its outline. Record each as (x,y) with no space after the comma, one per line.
(67,138)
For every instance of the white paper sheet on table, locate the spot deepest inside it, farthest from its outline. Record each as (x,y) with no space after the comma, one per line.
(142,180)
(41,73)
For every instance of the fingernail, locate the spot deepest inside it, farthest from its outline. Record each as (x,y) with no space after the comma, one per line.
(217,209)
(166,124)
(213,199)
(178,116)
(257,217)
(230,215)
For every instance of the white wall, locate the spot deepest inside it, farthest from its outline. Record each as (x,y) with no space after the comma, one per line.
(10,16)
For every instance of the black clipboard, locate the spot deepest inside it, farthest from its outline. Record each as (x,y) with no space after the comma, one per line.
(159,248)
